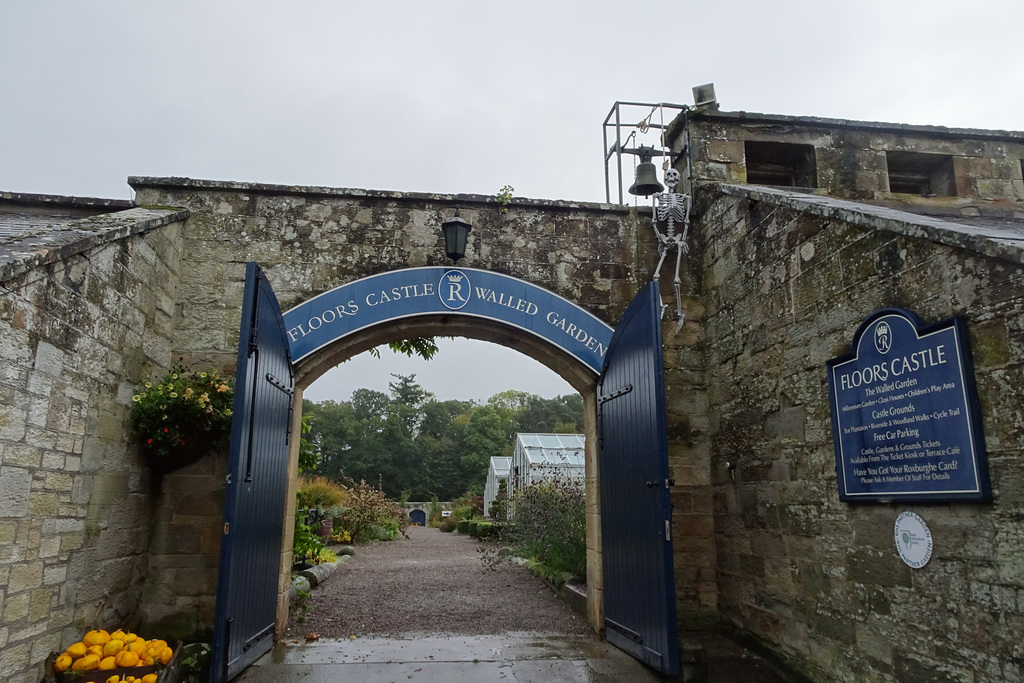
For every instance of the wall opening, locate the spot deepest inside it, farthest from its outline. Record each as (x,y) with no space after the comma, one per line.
(921,174)
(780,163)
(574,372)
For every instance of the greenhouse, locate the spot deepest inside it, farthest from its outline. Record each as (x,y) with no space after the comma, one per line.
(496,473)
(545,456)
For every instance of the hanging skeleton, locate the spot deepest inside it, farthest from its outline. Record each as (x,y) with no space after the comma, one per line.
(672,208)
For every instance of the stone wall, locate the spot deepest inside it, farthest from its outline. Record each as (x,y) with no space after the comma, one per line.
(84,318)
(310,240)
(850,157)
(817,580)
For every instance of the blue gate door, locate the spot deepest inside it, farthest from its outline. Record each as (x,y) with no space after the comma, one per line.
(254,501)
(639,588)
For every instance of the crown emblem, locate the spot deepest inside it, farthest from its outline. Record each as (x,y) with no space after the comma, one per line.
(454,277)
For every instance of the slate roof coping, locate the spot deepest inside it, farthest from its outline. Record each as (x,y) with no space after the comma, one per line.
(25,249)
(821,122)
(1002,242)
(137,182)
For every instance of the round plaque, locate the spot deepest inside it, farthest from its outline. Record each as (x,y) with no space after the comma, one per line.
(913,539)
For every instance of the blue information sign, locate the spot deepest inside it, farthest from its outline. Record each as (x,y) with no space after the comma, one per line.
(411,292)
(905,418)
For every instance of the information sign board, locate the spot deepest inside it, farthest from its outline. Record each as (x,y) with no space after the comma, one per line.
(905,417)
(435,290)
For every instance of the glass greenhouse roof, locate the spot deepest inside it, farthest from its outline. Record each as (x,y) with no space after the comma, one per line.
(553,449)
(501,466)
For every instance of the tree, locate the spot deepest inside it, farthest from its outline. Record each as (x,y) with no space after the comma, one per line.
(411,444)
(482,437)
(508,405)
(559,415)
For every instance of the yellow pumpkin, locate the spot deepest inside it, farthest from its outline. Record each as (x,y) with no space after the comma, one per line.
(77,650)
(97,637)
(86,663)
(63,662)
(112,647)
(126,658)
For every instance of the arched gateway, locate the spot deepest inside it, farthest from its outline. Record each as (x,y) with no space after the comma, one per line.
(637,572)
(358,269)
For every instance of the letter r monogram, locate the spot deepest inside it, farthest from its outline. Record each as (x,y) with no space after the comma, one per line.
(455,292)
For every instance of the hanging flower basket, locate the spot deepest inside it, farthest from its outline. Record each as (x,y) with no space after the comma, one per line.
(182,418)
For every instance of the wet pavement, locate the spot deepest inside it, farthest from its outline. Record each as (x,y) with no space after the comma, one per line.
(520,657)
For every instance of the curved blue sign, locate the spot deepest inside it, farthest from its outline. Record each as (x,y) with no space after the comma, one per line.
(905,417)
(412,292)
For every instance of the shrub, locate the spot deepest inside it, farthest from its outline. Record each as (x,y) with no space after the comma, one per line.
(473,502)
(448,524)
(499,506)
(435,518)
(549,526)
(462,526)
(370,516)
(464,512)
(306,546)
(319,492)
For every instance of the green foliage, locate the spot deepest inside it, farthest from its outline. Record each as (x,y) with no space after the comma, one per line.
(549,526)
(419,447)
(184,409)
(559,415)
(462,526)
(504,197)
(308,456)
(499,506)
(424,347)
(435,517)
(194,663)
(325,555)
(306,545)
(370,516)
(320,493)
(469,505)
(302,605)
(479,528)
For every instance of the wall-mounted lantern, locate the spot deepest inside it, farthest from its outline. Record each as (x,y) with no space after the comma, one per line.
(456,234)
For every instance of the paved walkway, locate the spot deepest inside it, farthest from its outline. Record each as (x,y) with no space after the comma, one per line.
(509,658)
(368,623)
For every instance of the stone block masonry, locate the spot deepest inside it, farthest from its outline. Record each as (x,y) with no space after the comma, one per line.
(76,313)
(815,579)
(310,240)
(775,284)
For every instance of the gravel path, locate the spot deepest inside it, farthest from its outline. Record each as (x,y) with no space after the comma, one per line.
(431,582)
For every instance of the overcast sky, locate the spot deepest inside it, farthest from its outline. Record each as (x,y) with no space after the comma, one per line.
(465,96)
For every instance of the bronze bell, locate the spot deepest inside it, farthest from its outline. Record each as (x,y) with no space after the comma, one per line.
(646,175)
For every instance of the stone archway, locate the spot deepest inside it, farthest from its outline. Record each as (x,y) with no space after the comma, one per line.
(313,239)
(577,374)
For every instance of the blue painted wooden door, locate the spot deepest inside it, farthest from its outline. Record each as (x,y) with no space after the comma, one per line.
(418,517)
(639,587)
(254,500)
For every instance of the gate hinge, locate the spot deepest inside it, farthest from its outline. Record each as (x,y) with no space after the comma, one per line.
(615,394)
(227,525)
(280,385)
(668,530)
